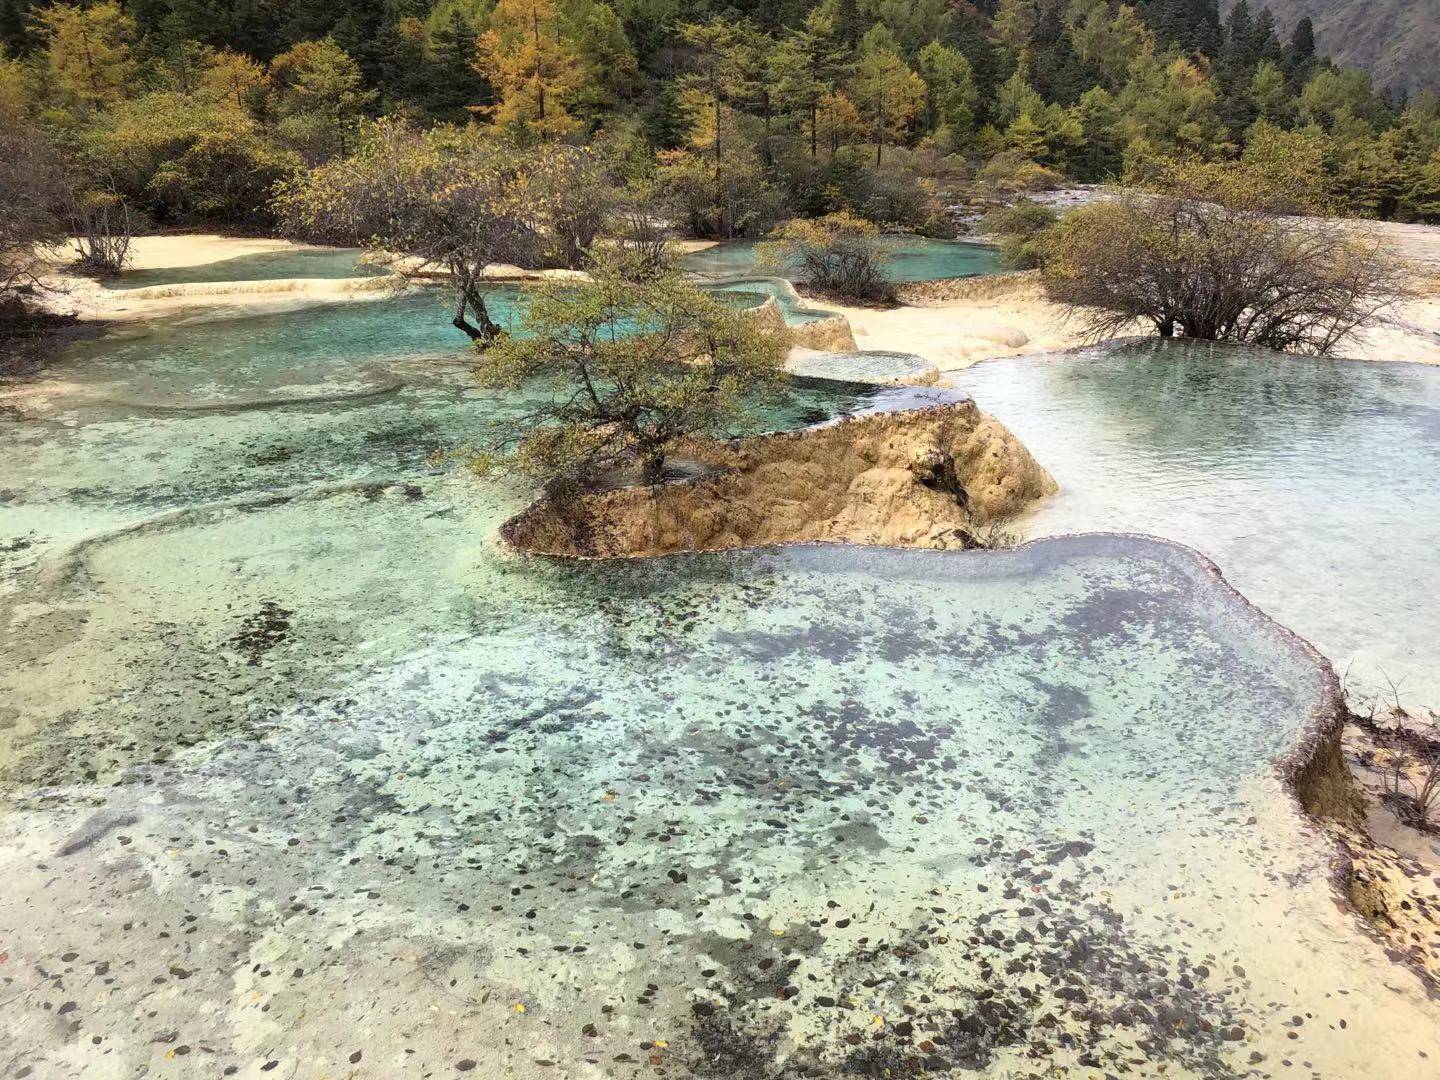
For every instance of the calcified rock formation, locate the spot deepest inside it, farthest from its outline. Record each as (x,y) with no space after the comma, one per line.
(830,334)
(322,287)
(986,287)
(926,478)
(824,335)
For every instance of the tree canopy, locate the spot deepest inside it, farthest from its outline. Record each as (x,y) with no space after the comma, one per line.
(1213,252)
(190,110)
(626,369)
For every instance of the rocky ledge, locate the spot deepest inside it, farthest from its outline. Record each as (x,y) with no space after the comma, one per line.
(936,477)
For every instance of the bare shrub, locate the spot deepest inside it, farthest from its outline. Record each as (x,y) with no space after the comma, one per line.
(103,229)
(1408,755)
(1413,780)
(997,536)
(641,230)
(838,255)
(1209,253)
(31,225)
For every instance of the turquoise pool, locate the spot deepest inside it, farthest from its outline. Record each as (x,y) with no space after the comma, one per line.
(302,768)
(912,258)
(1311,482)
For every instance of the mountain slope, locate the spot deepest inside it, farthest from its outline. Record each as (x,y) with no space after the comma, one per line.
(1397,41)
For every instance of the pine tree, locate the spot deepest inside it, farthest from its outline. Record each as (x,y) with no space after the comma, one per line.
(1302,41)
(950,93)
(534,70)
(1192,25)
(804,67)
(89,52)
(1239,37)
(849,24)
(1265,43)
(718,76)
(454,84)
(322,98)
(14,31)
(663,122)
(888,94)
(598,37)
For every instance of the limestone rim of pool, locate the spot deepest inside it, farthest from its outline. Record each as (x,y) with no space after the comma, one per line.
(1132,340)
(381,387)
(1313,771)
(68,563)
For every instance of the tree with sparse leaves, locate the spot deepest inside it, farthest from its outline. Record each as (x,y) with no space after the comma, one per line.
(838,255)
(32,219)
(627,370)
(447,199)
(1210,252)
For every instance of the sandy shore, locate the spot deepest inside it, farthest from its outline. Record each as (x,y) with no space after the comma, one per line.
(1012,318)
(197,249)
(89,299)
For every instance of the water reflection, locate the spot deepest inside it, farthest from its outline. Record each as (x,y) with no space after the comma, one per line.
(1311,482)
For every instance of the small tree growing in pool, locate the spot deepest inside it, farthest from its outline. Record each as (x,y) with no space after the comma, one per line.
(454,201)
(631,367)
(837,255)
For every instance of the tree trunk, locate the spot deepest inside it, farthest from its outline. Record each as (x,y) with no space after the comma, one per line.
(652,464)
(879,127)
(486,331)
(765,106)
(717,136)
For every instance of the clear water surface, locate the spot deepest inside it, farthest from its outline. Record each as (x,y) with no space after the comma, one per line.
(912,258)
(303,768)
(1315,484)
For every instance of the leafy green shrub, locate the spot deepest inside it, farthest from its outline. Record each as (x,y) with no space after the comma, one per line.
(1010,173)
(636,368)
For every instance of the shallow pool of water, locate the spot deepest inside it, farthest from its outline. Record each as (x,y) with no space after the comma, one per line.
(295,262)
(1313,483)
(912,258)
(796,310)
(990,812)
(218,358)
(302,768)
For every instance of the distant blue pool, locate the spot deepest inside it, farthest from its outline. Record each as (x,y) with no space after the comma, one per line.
(303,262)
(912,258)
